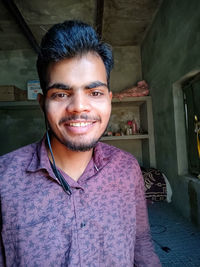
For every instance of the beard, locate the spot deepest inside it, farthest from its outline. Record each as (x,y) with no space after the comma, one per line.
(79,145)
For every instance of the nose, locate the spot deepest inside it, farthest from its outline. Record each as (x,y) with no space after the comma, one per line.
(78,103)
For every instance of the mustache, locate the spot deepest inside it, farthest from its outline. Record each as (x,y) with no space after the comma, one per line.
(79,117)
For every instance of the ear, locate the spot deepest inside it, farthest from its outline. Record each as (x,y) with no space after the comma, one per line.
(111,95)
(40,99)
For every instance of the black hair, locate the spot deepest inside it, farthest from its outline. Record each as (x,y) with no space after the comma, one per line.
(67,40)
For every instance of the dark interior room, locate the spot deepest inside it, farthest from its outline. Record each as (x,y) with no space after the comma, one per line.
(155,84)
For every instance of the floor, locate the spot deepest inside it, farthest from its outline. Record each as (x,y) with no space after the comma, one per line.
(177,241)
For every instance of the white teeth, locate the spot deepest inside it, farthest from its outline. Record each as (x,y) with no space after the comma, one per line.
(79,124)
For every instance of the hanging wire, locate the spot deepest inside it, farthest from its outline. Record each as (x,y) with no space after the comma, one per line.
(59,176)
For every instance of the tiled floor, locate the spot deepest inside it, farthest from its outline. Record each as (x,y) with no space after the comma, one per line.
(178,237)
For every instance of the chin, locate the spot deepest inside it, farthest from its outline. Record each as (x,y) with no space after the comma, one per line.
(81,147)
(79,143)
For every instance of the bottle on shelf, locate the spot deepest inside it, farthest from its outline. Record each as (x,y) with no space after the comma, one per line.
(134,127)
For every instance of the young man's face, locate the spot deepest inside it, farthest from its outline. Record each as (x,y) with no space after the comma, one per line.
(78,103)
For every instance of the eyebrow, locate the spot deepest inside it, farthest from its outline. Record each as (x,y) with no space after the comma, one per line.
(67,87)
(95,85)
(59,86)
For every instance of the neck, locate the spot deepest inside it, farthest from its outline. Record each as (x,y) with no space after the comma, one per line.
(73,163)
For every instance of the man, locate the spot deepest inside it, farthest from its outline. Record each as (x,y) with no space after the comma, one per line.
(70,200)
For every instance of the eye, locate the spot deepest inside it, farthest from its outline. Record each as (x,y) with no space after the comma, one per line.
(96,93)
(59,96)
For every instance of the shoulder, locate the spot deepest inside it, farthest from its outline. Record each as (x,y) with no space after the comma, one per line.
(120,164)
(17,158)
(117,155)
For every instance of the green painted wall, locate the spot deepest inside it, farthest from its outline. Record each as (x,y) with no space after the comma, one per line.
(170,50)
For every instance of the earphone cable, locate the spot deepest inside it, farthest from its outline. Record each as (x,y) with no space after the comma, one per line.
(59,176)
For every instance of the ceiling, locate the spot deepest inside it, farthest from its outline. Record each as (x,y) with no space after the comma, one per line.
(120,22)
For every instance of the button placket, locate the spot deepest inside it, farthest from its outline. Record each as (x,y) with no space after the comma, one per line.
(83,224)
(81,208)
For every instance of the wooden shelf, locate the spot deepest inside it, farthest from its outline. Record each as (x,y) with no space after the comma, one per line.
(140,145)
(131,99)
(125,137)
(19,104)
(31,103)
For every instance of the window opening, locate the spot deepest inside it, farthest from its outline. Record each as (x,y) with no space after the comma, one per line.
(191,96)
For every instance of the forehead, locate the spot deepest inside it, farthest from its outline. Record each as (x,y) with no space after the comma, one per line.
(77,70)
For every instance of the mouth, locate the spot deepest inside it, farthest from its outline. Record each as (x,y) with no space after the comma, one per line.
(79,124)
(79,127)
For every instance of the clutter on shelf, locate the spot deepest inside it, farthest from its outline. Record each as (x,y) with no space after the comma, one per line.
(124,123)
(12,93)
(141,89)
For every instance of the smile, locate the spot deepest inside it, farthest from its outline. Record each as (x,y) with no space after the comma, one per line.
(79,124)
(79,127)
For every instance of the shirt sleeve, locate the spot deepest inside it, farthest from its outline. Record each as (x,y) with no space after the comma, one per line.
(144,250)
(2,263)
(2,254)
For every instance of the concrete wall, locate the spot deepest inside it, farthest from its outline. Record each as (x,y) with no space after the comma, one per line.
(17,67)
(169,52)
(20,125)
(127,68)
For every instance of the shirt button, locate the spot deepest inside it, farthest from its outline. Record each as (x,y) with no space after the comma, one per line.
(83,224)
(81,191)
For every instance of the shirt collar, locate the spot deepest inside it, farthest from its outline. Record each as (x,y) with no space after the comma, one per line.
(101,156)
(40,158)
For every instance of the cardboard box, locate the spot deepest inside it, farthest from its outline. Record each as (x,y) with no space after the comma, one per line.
(33,88)
(12,93)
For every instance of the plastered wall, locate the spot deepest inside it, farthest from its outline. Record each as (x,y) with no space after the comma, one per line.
(169,52)
(17,67)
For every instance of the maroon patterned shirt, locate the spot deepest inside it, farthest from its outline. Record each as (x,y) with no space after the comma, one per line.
(103,223)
